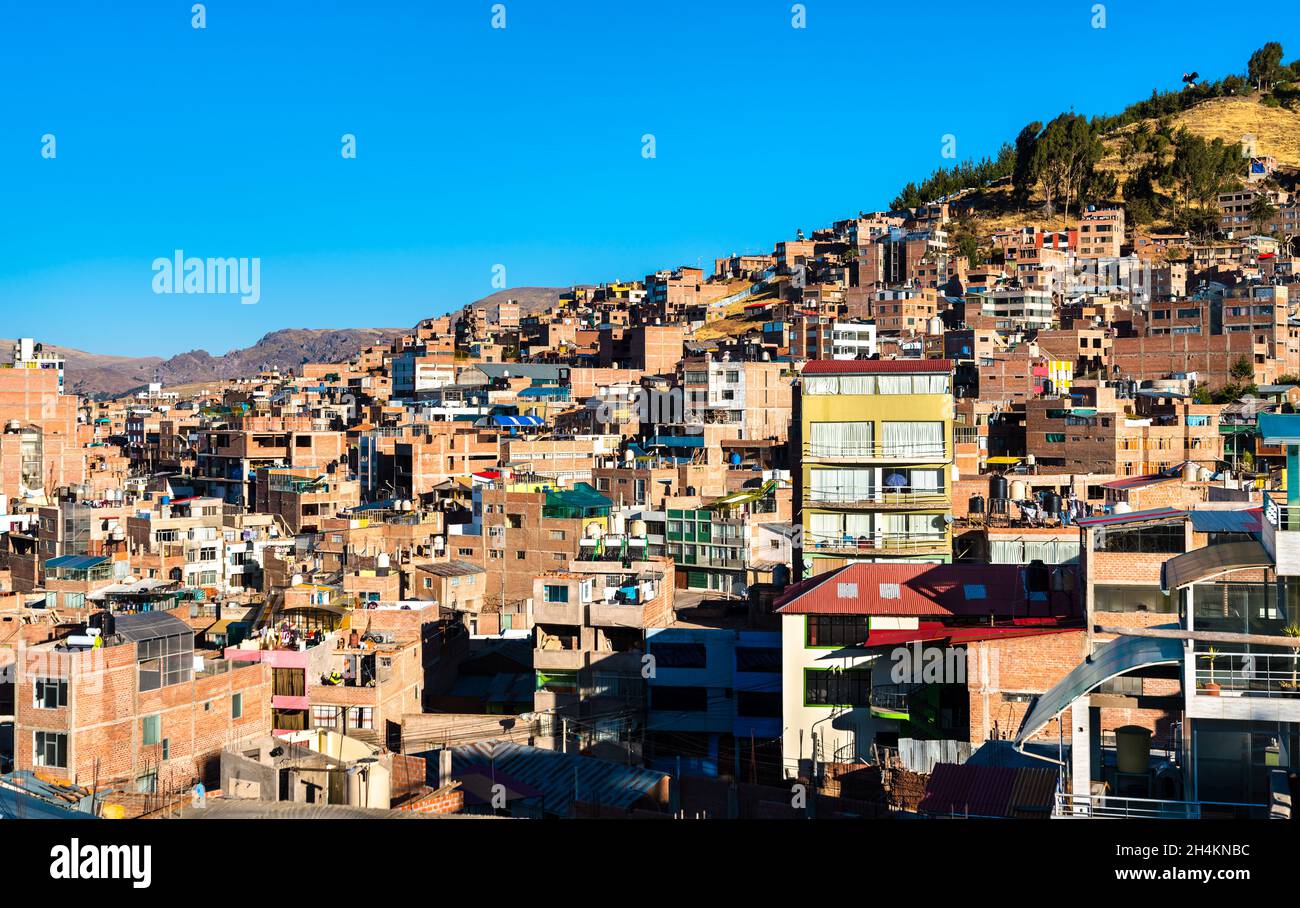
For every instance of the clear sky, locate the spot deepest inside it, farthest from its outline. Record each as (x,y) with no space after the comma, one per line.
(519,146)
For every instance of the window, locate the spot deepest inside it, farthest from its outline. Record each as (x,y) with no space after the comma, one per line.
(236,706)
(326,716)
(150,729)
(50,693)
(361,717)
(50,748)
(829,438)
(679,655)
(679,699)
(164,661)
(836,630)
(825,687)
(758,703)
(289,682)
(758,659)
(913,439)
(555,593)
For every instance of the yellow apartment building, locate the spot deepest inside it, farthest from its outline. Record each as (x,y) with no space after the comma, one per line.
(876,461)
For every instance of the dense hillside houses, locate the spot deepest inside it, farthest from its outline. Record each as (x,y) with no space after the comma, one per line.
(1004,476)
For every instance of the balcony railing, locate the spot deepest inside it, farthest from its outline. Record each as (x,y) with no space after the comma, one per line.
(1280,515)
(1250,674)
(891,542)
(886,497)
(926,451)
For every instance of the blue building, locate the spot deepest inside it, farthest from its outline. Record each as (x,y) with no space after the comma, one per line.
(714,701)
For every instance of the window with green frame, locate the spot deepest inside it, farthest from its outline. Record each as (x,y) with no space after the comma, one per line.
(150,729)
(830,687)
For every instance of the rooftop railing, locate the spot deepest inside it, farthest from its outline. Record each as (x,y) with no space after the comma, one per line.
(1250,674)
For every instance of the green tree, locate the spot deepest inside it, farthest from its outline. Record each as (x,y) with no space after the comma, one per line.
(1062,156)
(1242,369)
(1265,66)
(1023,176)
(1200,170)
(1261,211)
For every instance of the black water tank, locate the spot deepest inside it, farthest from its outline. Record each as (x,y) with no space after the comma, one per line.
(1052,504)
(997,487)
(105,622)
(1037,577)
(976,505)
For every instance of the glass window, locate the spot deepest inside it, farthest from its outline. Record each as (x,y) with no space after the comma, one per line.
(836,630)
(50,748)
(851,687)
(50,693)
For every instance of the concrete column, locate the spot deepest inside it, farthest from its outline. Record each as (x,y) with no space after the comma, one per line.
(1080,748)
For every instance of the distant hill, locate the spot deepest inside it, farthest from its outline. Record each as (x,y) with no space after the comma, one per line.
(100,375)
(104,375)
(530,299)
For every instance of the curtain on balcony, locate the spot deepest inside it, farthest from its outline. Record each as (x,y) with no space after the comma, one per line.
(842,485)
(849,437)
(913,439)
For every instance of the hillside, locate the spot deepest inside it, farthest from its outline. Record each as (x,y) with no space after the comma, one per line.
(99,375)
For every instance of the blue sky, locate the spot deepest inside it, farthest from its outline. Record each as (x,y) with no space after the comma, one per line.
(522,147)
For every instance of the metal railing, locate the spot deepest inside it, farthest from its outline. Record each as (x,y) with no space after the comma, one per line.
(891,542)
(1250,674)
(1108,807)
(1281,515)
(899,496)
(878,451)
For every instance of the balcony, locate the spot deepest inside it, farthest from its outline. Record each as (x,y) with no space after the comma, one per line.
(904,498)
(565,660)
(885,543)
(1281,535)
(567,613)
(1256,687)
(604,615)
(867,452)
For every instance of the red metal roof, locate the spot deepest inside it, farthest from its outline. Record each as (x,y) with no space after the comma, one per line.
(989,791)
(1107,520)
(916,590)
(874,366)
(930,632)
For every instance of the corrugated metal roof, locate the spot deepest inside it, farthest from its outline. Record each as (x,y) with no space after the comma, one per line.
(557,775)
(923,589)
(1211,561)
(1245,520)
(874,366)
(978,791)
(75,562)
(1279,428)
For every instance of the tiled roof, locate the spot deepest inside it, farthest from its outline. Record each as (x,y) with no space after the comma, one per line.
(916,590)
(875,366)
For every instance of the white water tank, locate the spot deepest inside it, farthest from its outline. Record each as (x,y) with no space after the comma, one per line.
(1121,507)
(382,561)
